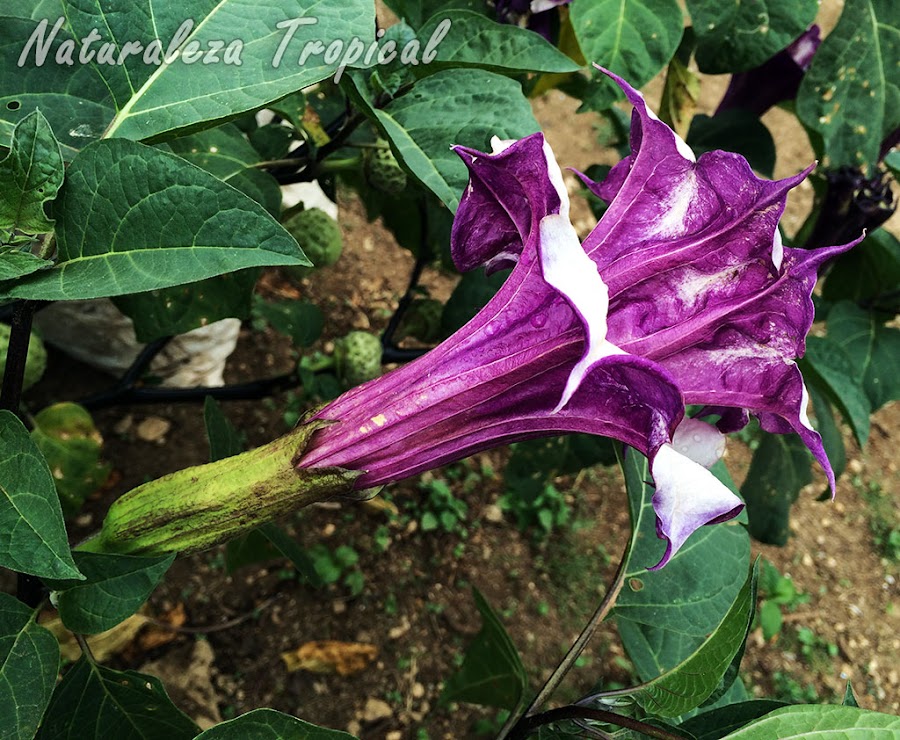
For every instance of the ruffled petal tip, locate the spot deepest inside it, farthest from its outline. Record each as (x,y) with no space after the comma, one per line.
(687,497)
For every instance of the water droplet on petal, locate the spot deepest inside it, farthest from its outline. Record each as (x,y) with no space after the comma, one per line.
(539,320)
(698,438)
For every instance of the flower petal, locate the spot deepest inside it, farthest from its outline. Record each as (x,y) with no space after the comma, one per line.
(699,441)
(687,497)
(571,272)
(509,192)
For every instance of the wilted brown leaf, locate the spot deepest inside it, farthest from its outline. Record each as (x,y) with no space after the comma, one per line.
(103,646)
(330,656)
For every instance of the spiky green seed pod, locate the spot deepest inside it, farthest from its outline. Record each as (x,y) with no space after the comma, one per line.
(197,508)
(357,358)
(35,360)
(383,172)
(318,235)
(422,320)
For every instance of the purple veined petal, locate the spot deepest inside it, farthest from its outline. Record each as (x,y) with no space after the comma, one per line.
(509,192)
(572,273)
(687,497)
(701,442)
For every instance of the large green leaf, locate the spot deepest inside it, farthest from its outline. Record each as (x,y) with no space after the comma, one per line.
(132,218)
(74,98)
(633,38)
(492,673)
(456,106)
(664,616)
(735,131)
(822,722)
(850,95)
(30,175)
(778,470)
(267,724)
(716,723)
(829,365)
(694,680)
(873,350)
(416,12)
(115,588)
(472,40)
(29,661)
(152,95)
(98,702)
(170,311)
(31,522)
(737,36)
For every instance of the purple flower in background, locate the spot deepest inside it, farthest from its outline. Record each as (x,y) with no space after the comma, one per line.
(683,293)
(776,79)
(532,13)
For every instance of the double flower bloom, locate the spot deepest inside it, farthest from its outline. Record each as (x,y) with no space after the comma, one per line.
(682,295)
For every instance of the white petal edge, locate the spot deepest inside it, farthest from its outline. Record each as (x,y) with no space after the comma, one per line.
(687,497)
(574,275)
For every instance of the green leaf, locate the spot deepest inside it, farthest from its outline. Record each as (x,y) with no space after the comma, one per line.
(695,679)
(633,38)
(492,673)
(734,37)
(473,40)
(73,98)
(828,364)
(30,175)
(132,218)
(15,264)
(143,99)
(455,106)
(224,439)
(470,295)
(115,588)
(868,272)
(70,443)
(872,348)
(778,470)
(34,537)
(850,95)
(299,320)
(664,616)
(416,12)
(716,723)
(267,724)
(828,430)
(822,722)
(112,704)
(734,131)
(171,311)
(29,661)
(287,546)
(849,698)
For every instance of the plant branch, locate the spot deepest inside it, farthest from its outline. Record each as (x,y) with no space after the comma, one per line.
(527,724)
(511,728)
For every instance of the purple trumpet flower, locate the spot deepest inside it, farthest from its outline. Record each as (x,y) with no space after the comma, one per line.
(683,293)
(775,80)
(532,12)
